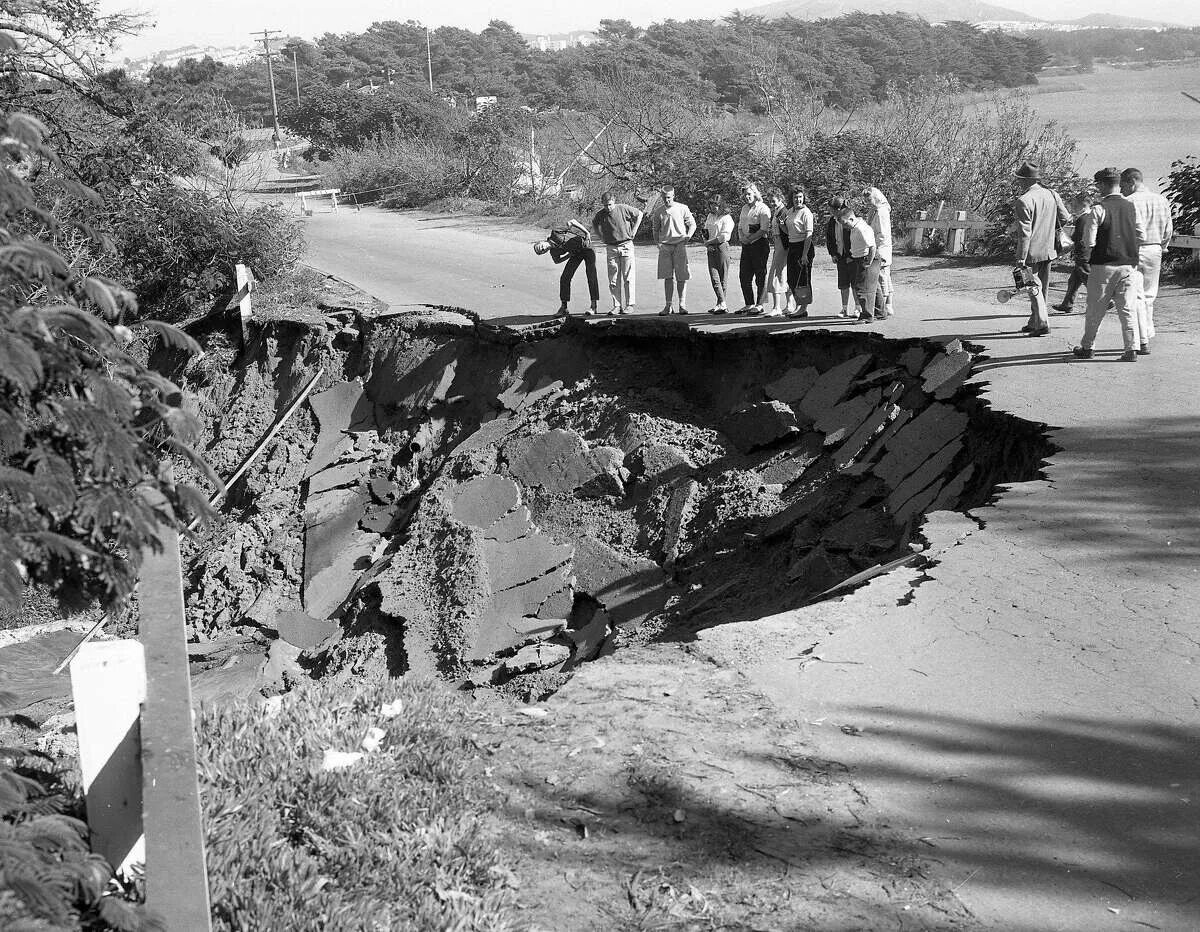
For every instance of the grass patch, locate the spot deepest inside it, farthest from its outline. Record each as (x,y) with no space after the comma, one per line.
(282,296)
(391,842)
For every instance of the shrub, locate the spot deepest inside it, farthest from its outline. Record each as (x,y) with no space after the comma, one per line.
(48,879)
(1183,190)
(83,423)
(391,842)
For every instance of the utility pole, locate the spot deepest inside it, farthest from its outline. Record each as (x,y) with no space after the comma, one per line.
(296,74)
(429,61)
(266,41)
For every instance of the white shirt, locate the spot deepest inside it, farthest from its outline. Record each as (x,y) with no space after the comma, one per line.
(1154,214)
(718,227)
(881,226)
(799,224)
(862,238)
(758,214)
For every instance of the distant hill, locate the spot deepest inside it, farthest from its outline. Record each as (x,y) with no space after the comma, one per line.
(933,11)
(1113,21)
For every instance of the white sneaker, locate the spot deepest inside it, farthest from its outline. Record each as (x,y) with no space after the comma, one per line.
(773,312)
(754,310)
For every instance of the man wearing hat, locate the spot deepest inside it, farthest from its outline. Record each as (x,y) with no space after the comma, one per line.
(1037,211)
(1113,233)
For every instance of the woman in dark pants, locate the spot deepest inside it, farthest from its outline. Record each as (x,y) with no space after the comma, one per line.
(753,228)
(801,242)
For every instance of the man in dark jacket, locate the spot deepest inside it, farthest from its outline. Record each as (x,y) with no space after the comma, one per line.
(837,241)
(571,245)
(1113,233)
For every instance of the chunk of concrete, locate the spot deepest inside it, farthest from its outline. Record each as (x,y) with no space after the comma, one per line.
(337,409)
(937,465)
(518,562)
(335,476)
(301,630)
(482,501)
(537,657)
(831,387)
(913,359)
(504,632)
(659,462)
(679,511)
(528,598)
(333,562)
(918,440)
(787,467)
(759,425)
(843,419)
(792,385)
(946,368)
(630,588)
(560,461)
(857,441)
(514,525)
(559,604)
(952,490)
(335,503)
(856,528)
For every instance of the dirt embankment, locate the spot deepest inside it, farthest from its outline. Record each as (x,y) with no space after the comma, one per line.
(493,504)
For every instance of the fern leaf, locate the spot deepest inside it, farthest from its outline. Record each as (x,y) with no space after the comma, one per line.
(40,897)
(26,129)
(196,458)
(101,295)
(174,337)
(12,433)
(55,832)
(19,362)
(63,547)
(75,322)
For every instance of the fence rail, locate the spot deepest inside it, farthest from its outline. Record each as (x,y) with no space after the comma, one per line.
(958,226)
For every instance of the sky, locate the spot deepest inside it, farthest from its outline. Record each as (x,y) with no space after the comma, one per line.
(232,22)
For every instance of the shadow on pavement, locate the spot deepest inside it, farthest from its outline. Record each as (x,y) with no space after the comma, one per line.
(1126,493)
(1109,801)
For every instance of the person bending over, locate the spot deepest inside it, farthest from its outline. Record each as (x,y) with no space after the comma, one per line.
(572,245)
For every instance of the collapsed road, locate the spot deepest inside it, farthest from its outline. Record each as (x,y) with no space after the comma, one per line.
(498,506)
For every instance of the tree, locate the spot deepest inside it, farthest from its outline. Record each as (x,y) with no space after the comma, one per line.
(84,424)
(1183,190)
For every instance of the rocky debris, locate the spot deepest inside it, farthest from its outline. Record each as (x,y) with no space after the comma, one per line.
(759,425)
(493,504)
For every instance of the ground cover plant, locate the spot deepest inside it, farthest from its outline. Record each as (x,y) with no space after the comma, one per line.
(391,841)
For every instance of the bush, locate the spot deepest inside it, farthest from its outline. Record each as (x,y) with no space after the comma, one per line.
(48,879)
(84,425)
(391,842)
(178,248)
(1183,191)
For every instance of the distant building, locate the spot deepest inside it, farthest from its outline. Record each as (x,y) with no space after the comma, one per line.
(229,55)
(556,42)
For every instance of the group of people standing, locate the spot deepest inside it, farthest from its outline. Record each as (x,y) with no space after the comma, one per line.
(1117,244)
(778,246)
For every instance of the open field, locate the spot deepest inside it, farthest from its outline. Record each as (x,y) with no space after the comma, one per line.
(1127,117)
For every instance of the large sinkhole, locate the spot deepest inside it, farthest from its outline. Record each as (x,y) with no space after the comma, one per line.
(490,504)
